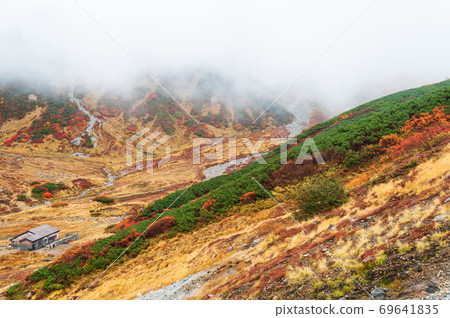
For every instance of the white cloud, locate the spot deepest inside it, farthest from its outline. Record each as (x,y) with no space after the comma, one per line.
(396,45)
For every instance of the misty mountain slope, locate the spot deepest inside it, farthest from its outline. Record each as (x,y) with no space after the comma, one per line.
(383,193)
(210,98)
(99,122)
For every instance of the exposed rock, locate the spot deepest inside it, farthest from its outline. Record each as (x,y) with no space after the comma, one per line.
(256,241)
(439,218)
(379,293)
(138,295)
(432,287)
(368,259)
(230,249)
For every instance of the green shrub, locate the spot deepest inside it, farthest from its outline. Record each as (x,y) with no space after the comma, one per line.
(51,187)
(21,197)
(14,288)
(104,199)
(318,194)
(351,159)
(38,191)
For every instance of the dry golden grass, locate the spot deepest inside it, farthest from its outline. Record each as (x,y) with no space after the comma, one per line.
(403,247)
(438,236)
(296,274)
(321,265)
(357,181)
(422,245)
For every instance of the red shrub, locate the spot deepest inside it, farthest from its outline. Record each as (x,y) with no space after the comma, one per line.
(208,204)
(425,120)
(388,141)
(59,204)
(47,195)
(126,223)
(129,239)
(161,226)
(74,252)
(417,140)
(248,197)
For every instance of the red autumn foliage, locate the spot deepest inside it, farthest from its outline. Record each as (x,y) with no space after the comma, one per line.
(74,252)
(248,197)
(127,241)
(418,130)
(421,231)
(83,183)
(47,195)
(341,118)
(424,120)
(292,172)
(208,204)
(388,141)
(127,223)
(108,111)
(416,140)
(162,225)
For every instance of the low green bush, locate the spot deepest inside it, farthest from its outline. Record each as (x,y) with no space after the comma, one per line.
(21,197)
(104,199)
(317,194)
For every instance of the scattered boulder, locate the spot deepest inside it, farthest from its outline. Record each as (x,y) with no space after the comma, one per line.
(432,287)
(368,259)
(256,241)
(379,293)
(439,218)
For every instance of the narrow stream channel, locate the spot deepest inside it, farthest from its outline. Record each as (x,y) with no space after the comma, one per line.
(90,126)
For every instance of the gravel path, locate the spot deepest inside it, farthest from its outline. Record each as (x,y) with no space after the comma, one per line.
(181,289)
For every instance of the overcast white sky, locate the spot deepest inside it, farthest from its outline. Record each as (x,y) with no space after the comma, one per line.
(396,45)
